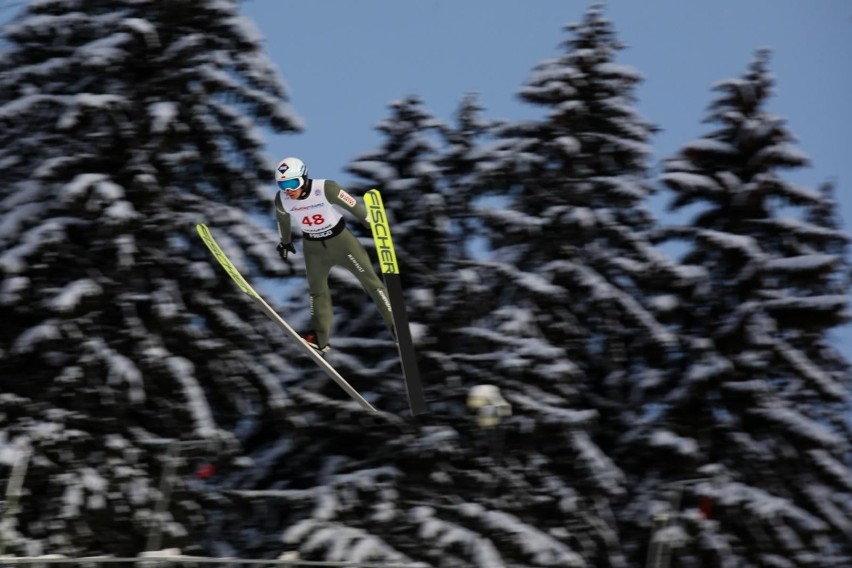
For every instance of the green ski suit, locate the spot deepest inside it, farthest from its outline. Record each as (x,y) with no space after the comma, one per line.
(327,243)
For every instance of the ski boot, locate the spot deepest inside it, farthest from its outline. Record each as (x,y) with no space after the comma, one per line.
(311,339)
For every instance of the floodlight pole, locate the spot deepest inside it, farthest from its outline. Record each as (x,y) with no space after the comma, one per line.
(14,489)
(659,552)
(171,461)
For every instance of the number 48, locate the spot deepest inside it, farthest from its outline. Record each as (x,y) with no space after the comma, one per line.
(313,220)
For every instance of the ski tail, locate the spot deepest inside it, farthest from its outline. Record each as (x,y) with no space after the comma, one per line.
(390,273)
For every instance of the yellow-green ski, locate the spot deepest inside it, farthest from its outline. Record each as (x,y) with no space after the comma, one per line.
(390,272)
(242,284)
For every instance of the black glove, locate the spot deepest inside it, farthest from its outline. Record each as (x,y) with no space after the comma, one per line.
(284,250)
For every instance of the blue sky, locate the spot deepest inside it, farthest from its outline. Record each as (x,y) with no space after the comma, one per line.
(345,61)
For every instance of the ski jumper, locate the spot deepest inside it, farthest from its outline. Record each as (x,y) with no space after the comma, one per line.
(326,243)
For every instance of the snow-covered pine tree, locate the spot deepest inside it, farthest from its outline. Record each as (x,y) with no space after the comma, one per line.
(565,324)
(404,168)
(461,299)
(122,124)
(441,493)
(571,245)
(577,282)
(461,180)
(427,170)
(751,411)
(447,489)
(830,239)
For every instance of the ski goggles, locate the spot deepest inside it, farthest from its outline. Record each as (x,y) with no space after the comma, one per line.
(290,184)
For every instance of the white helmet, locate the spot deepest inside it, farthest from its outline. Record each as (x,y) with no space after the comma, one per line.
(291,174)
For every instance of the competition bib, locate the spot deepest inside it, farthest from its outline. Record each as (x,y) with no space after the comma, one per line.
(315,216)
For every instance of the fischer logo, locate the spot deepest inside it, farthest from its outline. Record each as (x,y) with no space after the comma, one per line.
(381,233)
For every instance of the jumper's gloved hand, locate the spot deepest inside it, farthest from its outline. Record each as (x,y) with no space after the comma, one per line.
(285,249)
